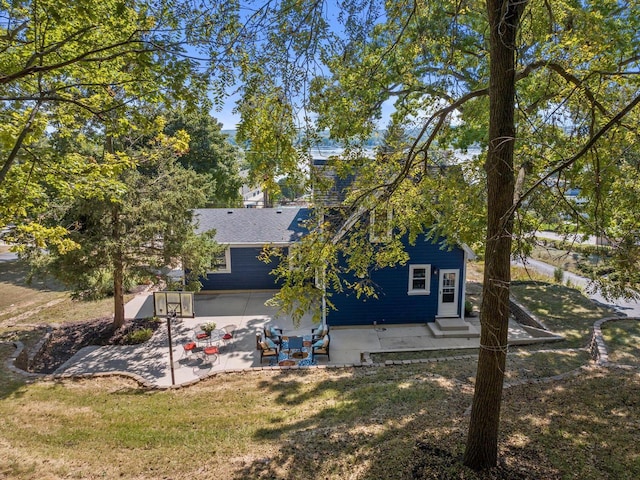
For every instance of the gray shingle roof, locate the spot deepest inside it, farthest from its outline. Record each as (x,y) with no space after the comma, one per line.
(253,226)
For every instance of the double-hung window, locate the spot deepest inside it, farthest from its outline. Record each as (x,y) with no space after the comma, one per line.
(221,262)
(419,280)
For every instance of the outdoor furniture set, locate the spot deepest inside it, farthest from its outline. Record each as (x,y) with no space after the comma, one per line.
(205,342)
(272,344)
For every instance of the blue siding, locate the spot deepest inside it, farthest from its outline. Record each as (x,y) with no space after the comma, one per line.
(247,273)
(393,304)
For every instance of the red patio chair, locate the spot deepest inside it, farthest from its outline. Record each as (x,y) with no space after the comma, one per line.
(228,337)
(211,354)
(188,350)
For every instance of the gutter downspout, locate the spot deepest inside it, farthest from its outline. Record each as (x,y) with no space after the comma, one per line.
(324,296)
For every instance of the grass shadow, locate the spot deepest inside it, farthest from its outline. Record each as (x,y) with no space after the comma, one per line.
(398,422)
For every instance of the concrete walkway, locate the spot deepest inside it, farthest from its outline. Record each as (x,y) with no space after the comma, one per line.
(150,363)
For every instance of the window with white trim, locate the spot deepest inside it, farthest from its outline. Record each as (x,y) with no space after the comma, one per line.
(221,262)
(419,280)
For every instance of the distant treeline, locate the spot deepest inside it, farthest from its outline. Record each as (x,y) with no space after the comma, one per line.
(323,140)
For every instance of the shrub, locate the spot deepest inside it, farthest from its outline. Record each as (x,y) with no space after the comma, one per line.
(138,336)
(468,308)
(558,275)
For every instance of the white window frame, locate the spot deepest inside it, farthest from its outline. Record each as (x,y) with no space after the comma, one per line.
(386,235)
(227,259)
(427,280)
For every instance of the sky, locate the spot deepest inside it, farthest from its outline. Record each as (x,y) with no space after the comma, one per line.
(224,113)
(230,120)
(226,116)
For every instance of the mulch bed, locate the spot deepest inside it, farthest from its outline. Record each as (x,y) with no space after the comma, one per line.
(67,339)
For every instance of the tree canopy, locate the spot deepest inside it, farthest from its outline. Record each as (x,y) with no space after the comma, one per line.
(129,230)
(109,66)
(209,153)
(547,91)
(86,174)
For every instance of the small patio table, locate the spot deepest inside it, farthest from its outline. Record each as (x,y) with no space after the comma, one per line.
(214,337)
(296,343)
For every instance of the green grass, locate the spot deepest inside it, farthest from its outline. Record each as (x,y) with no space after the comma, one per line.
(400,422)
(622,338)
(522,364)
(565,311)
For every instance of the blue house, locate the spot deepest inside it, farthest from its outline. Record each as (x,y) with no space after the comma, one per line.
(244,232)
(430,286)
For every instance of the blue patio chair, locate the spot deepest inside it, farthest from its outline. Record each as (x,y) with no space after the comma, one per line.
(265,349)
(321,347)
(318,333)
(274,333)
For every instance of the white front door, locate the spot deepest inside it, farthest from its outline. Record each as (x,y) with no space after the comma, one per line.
(448,293)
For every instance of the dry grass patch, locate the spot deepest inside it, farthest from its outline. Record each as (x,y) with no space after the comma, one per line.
(41,302)
(256,425)
(399,422)
(579,424)
(558,258)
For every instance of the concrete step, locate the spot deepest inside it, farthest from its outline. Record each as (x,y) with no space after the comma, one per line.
(469,331)
(451,324)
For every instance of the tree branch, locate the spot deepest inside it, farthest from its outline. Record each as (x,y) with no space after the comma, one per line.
(39,55)
(86,57)
(560,70)
(19,141)
(570,161)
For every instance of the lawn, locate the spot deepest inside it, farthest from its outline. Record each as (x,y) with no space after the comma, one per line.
(623,341)
(562,309)
(40,302)
(522,363)
(396,422)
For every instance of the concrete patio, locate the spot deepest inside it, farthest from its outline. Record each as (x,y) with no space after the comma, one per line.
(247,311)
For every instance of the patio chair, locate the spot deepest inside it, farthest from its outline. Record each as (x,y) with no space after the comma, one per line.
(274,333)
(321,347)
(211,354)
(188,350)
(228,337)
(265,349)
(318,333)
(202,337)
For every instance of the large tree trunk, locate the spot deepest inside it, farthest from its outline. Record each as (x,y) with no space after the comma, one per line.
(117,262)
(482,442)
(118,293)
(118,272)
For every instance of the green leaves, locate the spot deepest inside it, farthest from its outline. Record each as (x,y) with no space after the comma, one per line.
(269,135)
(209,152)
(80,69)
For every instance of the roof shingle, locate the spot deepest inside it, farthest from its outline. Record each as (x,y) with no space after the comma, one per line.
(253,226)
